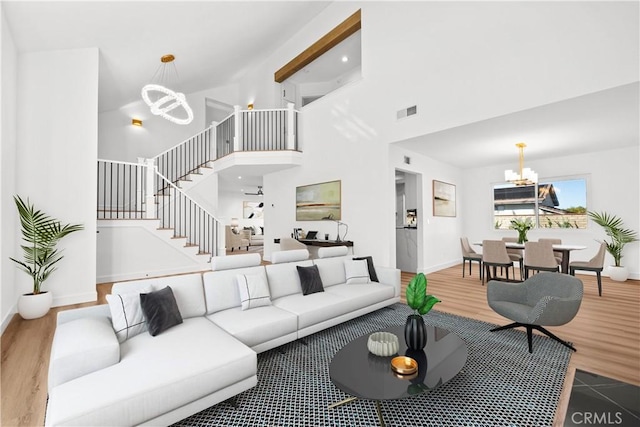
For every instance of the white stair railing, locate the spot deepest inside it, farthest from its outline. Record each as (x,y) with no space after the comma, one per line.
(129,191)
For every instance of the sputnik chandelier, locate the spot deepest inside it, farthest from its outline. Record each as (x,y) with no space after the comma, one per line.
(161,100)
(526,175)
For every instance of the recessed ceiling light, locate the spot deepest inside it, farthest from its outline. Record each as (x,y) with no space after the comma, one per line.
(345,58)
(239,177)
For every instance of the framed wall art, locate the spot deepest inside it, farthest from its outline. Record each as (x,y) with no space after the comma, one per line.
(444,199)
(317,202)
(252,210)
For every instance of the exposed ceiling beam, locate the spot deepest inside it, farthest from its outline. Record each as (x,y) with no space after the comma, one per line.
(325,43)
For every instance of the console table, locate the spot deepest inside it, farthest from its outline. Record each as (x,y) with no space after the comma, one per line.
(325,243)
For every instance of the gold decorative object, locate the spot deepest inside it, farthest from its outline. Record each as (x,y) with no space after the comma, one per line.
(404,365)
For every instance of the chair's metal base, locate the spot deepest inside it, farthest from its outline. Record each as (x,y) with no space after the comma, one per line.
(530,329)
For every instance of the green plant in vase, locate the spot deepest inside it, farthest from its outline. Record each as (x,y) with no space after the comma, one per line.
(40,234)
(417,298)
(521,226)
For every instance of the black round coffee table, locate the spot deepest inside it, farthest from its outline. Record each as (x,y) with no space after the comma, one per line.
(364,375)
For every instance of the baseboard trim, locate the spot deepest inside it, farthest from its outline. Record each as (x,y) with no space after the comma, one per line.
(75,299)
(136,275)
(7,319)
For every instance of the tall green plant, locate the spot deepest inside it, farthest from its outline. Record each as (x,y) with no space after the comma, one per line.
(41,234)
(614,228)
(417,297)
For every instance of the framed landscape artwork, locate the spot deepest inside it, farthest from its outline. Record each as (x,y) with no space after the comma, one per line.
(444,199)
(317,202)
(252,210)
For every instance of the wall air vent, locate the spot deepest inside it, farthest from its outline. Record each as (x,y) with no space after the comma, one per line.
(406,112)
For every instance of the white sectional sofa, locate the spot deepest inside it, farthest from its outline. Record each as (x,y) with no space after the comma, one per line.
(212,355)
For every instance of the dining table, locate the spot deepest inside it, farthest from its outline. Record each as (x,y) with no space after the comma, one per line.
(564,249)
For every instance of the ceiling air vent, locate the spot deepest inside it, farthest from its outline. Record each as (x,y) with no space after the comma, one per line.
(406,112)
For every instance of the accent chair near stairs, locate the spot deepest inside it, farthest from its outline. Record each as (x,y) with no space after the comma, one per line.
(233,240)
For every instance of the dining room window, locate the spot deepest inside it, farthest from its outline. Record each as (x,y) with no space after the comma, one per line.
(552,203)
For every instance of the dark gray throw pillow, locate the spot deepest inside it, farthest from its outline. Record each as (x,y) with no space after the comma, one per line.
(372,270)
(310,279)
(161,310)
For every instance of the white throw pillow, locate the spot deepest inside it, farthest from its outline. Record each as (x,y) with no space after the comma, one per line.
(254,291)
(356,271)
(126,314)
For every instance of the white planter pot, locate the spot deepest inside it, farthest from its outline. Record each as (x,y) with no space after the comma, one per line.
(32,306)
(619,274)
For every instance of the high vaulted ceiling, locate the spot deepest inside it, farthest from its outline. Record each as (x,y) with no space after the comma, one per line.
(213,42)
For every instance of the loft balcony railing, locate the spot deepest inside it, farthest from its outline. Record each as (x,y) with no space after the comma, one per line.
(257,130)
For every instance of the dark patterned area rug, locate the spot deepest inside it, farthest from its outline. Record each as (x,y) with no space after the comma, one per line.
(500,385)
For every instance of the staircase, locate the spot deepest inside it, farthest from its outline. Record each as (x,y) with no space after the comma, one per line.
(153,190)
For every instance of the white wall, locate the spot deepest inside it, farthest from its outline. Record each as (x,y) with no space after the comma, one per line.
(438,237)
(230,206)
(8,215)
(56,158)
(460,63)
(133,250)
(613,185)
(119,140)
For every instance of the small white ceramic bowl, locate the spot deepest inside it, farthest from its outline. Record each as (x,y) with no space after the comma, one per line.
(383,343)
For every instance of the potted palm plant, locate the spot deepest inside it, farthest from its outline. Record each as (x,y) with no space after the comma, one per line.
(40,233)
(620,236)
(414,330)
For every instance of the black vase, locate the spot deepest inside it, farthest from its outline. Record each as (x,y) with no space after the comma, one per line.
(415,333)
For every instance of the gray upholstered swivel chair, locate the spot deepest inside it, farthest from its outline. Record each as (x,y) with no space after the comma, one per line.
(468,254)
(545,299)
(594,264)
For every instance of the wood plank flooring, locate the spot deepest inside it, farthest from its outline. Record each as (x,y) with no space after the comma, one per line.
(605,332)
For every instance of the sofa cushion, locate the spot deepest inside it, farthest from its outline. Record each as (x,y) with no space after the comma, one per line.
(356,271)
(363,295)
(231,262)
(331,270)
(314,308)
(221,287)
(310,280)
(372,270)
(160,310)
(254,291)
(187,289)
(284,279)
(256,326)
(155,375)
(127,316)
(80,347)
(279,257)
(332,251)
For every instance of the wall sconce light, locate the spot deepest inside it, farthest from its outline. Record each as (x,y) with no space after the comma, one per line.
(136,122)
(250,107)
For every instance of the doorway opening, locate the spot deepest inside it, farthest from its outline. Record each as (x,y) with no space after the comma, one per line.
(408,223)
